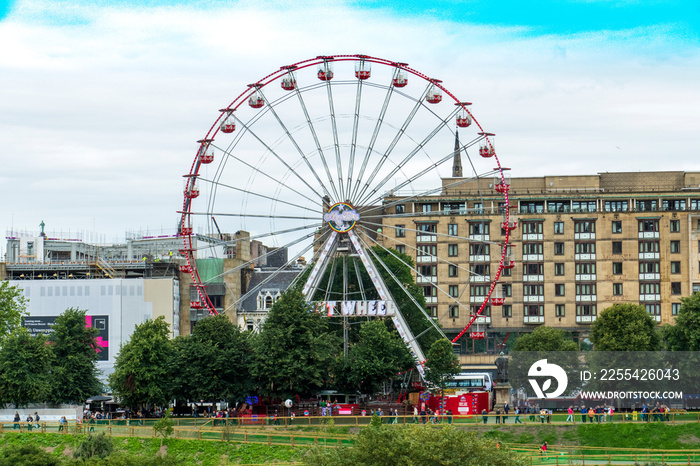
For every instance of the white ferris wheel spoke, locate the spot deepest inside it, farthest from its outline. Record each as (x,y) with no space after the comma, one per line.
(392,145)
(296,146)
(318,144)
(259,195)
(279,158)
(375,133)
(336,144)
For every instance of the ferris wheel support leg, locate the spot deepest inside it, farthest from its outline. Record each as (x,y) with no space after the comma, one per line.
(312,282)
(398,319)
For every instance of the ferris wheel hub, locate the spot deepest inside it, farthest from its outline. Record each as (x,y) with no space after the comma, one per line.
(341,217)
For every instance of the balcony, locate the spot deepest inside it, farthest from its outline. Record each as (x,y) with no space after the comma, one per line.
(649,277)
(533,299)
(476,299)
(479,238)
(533,257)
(585,277)
(648,235)
(657,318)
(480,258)
(483,319)
(584,257)
(584,235)
(585,319)
(650,297)
(424,259)
(533,319)
(431,299)
(648,255)
(586,298)
(426,239)
(533,278)
(420,279)
(533,236)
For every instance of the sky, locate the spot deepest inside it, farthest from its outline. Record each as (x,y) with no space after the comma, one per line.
(101,102)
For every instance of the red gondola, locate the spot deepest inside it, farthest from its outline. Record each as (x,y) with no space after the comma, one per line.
(289,82)
(256,100)
(325,71)
(363,70)
(434,95)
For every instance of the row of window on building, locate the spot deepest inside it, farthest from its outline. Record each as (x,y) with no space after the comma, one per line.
(537,310)
(561,206)
(536,228)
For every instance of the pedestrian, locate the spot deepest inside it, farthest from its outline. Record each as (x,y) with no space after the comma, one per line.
(517,416)
(449,416)
(30,422)
(485,414)
(498,415)
(591,413)
(16,420)
(570,417)
(543,448)
(506,409)
(415,414)
(583,414)
(36,419)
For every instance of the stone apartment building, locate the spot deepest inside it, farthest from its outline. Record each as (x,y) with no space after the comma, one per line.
(582,243)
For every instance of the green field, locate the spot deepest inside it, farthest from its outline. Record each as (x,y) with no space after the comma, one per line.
(568,444)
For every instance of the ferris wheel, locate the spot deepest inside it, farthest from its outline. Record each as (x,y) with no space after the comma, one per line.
(312,160)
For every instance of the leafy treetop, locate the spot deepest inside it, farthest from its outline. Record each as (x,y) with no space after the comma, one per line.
(625,327)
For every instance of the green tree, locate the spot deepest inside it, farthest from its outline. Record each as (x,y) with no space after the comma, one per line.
(625,327)
(545,339)
(213,363)
(25,363)
(415,445)
(378,355)
(75,351)
(94,446)
(13,306)
(685,334)
(164,427)
(442,364)
(141,374)
(295,351)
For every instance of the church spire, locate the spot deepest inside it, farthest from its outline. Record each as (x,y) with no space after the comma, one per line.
(457,162)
